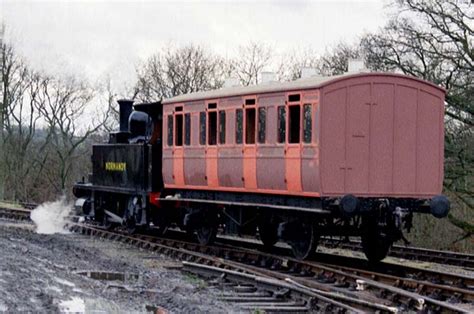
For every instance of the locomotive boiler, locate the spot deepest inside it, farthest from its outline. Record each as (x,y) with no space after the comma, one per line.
(349,155)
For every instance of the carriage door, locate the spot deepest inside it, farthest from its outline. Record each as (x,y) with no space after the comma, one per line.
(178,154)
(211,148)
(250,148)
(293,146)
(357,137)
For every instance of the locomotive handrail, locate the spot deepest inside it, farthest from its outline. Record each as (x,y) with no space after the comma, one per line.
(245,204)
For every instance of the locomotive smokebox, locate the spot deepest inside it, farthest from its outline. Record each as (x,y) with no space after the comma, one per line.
(125,107)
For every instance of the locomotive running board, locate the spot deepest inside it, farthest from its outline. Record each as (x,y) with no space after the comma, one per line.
(244,204)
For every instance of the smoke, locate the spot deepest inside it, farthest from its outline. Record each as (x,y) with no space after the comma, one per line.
(51,217)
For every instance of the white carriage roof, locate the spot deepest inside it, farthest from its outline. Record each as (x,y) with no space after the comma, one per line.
(271,87)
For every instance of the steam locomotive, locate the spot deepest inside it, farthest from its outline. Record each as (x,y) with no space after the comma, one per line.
(350,155)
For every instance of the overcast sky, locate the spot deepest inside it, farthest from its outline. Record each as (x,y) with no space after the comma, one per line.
(95,38)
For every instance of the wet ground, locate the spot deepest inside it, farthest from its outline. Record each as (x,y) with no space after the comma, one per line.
(56,273)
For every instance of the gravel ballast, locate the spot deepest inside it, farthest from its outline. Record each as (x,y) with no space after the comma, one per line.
(55,273)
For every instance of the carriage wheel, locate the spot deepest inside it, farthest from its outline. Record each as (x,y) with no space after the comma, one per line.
(375,243)
(268,231)
(206,234)
(304,242)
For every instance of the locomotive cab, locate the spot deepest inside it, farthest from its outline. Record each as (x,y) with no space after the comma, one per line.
(124,170)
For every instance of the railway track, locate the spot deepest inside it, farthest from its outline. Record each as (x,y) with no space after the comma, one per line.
(336,287)
(374,288)
(410,253)
(434,285)
(399,251)
(15,213)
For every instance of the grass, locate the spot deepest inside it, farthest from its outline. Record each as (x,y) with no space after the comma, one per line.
(195,280)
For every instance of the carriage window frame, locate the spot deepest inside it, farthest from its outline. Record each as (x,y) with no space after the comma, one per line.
(281,124)
(202,128)
(294,124)
(178,130)
(212,127)
(187,129)
(250,125)
(170,130)
(221,128)
(307,123)
(239,126)
(261,125)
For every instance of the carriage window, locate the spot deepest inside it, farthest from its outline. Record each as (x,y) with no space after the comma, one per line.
(294,97)
(281,124)
(238,125)
(307,123)
(202,128)
(187,129)
(179,130)
(261,124)
(222,127)
(250,126)
(170,130)
(250,101)
(212,128)
(294,124)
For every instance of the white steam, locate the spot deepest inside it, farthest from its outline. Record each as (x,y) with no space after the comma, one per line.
(51,217)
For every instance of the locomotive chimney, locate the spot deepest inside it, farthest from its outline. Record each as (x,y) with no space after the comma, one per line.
(125,107)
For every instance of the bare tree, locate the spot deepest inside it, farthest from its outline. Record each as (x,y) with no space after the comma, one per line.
(336,60)
(17,117)
(62,103)
(109,96)
(434,40)
(291,64)
(251,60)
(178,71)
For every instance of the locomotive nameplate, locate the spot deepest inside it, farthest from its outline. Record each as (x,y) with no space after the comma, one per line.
(115,166)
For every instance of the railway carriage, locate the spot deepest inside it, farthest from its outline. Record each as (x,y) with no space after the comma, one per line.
(349,155)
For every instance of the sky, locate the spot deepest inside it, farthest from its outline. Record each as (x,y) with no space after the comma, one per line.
(96,39)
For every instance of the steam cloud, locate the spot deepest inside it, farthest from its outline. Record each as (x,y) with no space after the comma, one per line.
(51,217)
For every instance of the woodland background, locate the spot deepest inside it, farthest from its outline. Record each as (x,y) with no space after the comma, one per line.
(48,123)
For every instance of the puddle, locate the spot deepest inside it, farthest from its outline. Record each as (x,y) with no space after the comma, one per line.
(55,289)
(86,305)
(74,305)
(64,282)
(110,276)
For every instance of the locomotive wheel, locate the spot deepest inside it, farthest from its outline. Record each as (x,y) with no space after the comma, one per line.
(206,234)
(106,223)
(304,242)
(133,214)
(375,243)
(268,232)
(131,225)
